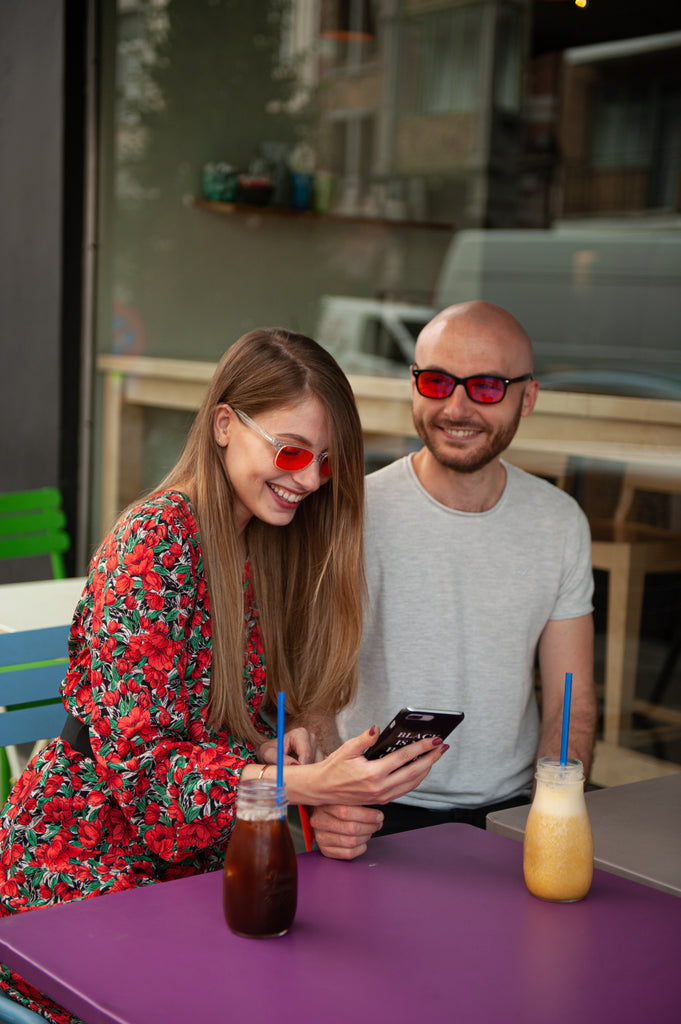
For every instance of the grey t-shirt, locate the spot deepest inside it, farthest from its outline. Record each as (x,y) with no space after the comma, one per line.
(457,603)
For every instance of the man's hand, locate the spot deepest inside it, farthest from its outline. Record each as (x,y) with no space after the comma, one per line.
(343,832)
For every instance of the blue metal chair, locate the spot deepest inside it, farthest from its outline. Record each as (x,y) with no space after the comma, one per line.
(15,1013)
(32,666)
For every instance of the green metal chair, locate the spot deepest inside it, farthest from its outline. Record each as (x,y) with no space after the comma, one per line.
(33,523)
(32,665)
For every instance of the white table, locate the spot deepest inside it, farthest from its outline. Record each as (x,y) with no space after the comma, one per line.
(636,830)
(39,604)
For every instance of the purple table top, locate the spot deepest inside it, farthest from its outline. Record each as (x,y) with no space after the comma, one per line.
(432,924)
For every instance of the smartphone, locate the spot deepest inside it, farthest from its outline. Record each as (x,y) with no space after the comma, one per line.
(411,724)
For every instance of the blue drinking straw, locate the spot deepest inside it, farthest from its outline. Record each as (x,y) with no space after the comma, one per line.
(281,701)
(566,718)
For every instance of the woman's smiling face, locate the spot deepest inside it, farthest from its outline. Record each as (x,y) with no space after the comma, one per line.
(260,488)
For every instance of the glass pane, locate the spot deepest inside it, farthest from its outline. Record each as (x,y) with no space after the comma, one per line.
(254,173)
(509,54)
(451,60)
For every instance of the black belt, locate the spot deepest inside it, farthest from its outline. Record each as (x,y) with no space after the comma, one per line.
(78,735)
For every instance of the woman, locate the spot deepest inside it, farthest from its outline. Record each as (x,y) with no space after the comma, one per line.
(252,544)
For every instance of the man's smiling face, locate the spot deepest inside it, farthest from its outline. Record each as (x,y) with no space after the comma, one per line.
(461,434)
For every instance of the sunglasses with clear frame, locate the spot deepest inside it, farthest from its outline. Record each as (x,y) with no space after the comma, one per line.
(289,457)
(483,388)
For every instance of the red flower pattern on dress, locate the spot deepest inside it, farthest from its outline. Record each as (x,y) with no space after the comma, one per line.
(159,800)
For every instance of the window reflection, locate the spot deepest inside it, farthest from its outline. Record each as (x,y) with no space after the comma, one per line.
(484,149)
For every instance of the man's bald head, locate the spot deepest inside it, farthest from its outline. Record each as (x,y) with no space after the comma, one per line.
(483,331)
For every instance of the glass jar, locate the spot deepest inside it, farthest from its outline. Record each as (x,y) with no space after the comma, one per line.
(558,845)
(260,876)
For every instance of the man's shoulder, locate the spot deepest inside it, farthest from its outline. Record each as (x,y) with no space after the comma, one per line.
(538,492)
(387,477)
(393,501)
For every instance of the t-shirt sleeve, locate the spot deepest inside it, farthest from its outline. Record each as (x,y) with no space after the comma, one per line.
(575,596)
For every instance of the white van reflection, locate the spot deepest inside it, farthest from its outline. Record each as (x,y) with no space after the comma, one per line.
(613,382)
(603,308)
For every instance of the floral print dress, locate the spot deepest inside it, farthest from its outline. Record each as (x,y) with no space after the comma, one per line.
(159,799)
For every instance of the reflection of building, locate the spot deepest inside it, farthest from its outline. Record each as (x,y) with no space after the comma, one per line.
(459,111)
(424,122)
(458,125)
(624,156)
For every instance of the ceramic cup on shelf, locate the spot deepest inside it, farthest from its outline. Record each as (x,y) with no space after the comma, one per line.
(218,182)
(324,189)
(301,190)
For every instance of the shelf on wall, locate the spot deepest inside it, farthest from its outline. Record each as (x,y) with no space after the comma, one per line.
(283,211)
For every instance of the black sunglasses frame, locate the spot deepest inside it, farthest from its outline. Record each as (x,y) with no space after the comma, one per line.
(464,381)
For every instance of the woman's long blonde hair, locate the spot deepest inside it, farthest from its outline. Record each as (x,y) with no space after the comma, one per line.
(308,576)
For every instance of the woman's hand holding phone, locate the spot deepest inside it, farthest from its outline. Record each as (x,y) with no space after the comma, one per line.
(412,724)
(343,830)
(344,826)
(342,785)
(347,777)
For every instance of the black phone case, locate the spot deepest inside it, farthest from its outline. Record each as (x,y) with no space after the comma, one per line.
(410,725)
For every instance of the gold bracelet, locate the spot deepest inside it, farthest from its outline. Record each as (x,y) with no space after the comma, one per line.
(262,771)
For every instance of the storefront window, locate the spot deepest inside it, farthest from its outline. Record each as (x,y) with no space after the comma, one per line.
(256,171)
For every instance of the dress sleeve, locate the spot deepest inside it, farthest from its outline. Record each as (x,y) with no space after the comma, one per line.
(143,687)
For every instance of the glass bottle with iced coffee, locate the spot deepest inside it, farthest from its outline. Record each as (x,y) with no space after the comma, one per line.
(558,844)
(260,877)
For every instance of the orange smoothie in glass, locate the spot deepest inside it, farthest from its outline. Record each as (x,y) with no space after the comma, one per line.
(558,845)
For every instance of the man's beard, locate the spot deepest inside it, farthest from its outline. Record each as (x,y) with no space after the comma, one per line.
(494,443)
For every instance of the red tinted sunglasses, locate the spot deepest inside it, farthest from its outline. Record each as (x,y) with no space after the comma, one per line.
(289,457)
(483,388)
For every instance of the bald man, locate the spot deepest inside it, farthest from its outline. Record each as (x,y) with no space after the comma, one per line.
(477,571)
